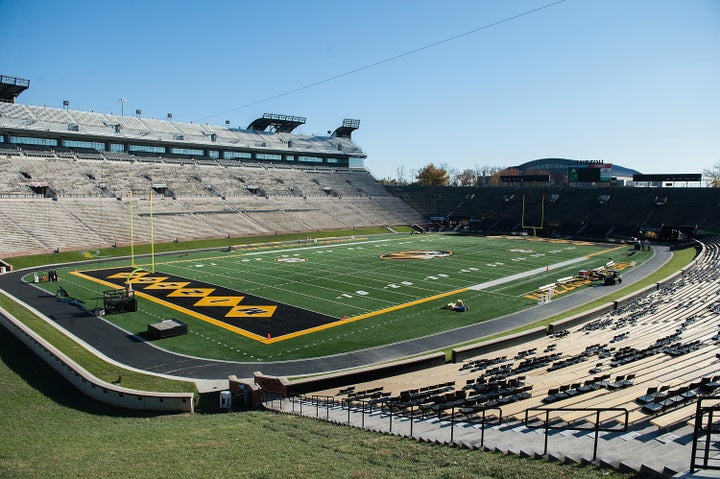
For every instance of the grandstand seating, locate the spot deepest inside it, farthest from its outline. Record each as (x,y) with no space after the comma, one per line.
(653,357)
(86,200)
(596,213)
(38,118)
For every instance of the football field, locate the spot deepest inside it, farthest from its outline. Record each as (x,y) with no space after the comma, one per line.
(311,298)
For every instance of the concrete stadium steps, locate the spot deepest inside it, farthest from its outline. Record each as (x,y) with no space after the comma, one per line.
(12,183)
(122,173)
(49,223)
(226,217)
(109,218)
(60,174)
(277,220)
(75,222)
(396,211)
(16,238)
(171,220)
(640,449)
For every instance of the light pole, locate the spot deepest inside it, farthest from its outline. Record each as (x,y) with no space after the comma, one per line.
(122,105)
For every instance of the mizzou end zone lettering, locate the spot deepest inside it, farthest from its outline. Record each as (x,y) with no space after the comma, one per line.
(571,285)
(242,313)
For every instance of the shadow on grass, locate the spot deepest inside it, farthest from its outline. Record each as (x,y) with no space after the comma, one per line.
(41,377)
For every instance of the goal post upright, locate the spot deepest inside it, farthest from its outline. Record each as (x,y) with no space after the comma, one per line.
(132,236)
(542,216)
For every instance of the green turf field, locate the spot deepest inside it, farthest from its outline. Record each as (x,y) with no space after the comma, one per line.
(368,291)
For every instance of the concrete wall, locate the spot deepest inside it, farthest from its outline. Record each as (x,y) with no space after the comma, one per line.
(284,387)
(90,385)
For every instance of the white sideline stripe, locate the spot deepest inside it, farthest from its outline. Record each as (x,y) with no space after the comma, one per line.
(304,248)
(524,274)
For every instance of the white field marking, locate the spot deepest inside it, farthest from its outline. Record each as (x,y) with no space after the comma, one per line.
(280,287)
(305,248)
(524,274)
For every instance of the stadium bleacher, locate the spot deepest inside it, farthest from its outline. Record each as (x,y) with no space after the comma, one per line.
(90,200)
(591,212)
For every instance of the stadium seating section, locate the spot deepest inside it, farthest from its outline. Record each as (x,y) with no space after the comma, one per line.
(592,212)
(53,200)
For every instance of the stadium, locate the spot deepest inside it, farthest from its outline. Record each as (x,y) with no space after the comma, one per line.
(271,270)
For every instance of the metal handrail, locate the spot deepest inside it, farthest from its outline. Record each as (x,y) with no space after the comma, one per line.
(568,427)
(704,429)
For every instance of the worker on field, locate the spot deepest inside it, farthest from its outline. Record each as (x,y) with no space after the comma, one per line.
(458,306)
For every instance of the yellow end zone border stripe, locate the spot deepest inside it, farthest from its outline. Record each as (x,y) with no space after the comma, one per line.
(366,315)
(276,339)
(170,305)
(609,250)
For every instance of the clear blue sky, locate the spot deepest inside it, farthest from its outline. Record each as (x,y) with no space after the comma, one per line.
(630,82)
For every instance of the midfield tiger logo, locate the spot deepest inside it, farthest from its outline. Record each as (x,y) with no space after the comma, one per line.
(418,254)
(291,260)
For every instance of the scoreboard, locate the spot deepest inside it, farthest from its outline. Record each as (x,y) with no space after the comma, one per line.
(590,171)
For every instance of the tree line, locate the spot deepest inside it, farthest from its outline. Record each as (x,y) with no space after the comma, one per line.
(432,175)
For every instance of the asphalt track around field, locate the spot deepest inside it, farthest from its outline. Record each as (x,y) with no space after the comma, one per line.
(119,346)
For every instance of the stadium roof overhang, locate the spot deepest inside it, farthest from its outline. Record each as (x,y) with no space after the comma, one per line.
(278,123)
(11,87)
(348,126)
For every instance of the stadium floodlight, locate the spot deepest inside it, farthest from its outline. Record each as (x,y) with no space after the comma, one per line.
(66,104)
(122,105)
(138,112)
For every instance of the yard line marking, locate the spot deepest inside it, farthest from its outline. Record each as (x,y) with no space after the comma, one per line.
(305,248)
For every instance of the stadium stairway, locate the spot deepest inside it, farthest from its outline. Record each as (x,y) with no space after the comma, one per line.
(641,449)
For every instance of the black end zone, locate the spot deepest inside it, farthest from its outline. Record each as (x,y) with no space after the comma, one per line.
(255,317)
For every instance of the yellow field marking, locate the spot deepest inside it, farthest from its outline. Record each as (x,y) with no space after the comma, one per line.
(127,274)
(96,280)
(250,311)
(167,304)
(148,280)
(190,292)
(365,316)
(605,251)
(168,285)
(220,301)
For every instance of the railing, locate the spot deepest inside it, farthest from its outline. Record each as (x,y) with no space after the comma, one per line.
(544,422)
(392,410)
(705,451)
